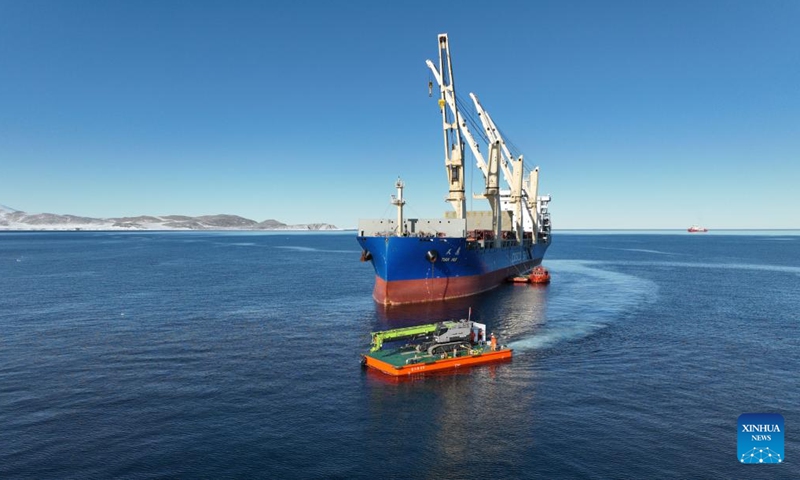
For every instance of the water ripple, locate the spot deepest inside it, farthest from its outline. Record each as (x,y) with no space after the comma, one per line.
(585,299)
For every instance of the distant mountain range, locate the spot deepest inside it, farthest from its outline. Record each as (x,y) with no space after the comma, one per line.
(11,219)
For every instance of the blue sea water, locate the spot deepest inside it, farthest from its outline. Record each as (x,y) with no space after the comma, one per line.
(219,355)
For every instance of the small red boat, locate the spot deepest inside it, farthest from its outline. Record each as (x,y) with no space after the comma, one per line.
(519,279)
(538,275)
(696,229)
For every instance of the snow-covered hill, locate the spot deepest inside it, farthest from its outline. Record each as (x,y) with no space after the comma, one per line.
(11,219)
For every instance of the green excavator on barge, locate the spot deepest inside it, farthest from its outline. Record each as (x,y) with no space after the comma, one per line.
(434,346)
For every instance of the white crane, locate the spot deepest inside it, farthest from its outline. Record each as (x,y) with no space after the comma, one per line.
(523,196)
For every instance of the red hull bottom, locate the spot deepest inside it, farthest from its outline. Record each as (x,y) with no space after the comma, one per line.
(398,292)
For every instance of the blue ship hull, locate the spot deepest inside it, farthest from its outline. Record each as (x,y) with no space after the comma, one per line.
(421,269)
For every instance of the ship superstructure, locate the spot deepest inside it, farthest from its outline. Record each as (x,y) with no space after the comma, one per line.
(466,252)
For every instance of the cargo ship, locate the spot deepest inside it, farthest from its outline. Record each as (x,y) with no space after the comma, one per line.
(697,229)
(465,252)
(434,347)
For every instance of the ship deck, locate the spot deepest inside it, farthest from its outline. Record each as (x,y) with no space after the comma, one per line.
(407,361)
(398,357)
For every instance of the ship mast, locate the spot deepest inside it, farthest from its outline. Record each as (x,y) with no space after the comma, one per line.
(453,144)
(398,202)
(454,127)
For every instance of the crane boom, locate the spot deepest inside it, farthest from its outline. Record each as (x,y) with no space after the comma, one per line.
(529,211)
(514,176)
(449,99)
(454,152)
(441,333)
(399,334)
(494,136)
(453,144)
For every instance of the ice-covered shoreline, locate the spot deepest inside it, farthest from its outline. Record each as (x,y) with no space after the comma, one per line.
(15,220)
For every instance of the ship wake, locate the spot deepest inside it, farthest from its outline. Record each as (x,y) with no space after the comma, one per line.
(585,299)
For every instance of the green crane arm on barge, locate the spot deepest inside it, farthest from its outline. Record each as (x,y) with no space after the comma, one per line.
(408,332)
(439,333)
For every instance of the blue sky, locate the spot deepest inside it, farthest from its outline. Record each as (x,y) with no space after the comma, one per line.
(641,115)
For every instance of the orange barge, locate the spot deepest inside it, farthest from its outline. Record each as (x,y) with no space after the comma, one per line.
(434,347)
